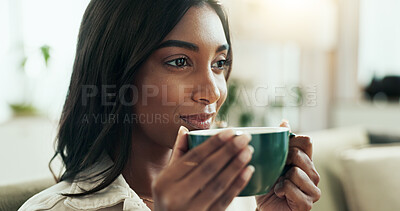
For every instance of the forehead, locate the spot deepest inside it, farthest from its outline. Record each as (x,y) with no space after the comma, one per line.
(200,25)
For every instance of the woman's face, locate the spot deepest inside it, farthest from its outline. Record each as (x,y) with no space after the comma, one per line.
(183,81)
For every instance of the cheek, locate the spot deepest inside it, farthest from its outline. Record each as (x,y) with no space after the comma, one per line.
(158,102)
(155,92)
(163,94)
(223,90)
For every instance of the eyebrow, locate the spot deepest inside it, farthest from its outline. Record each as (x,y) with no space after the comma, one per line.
(188,45)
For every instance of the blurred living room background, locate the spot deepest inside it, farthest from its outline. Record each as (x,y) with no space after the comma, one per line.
(330,67)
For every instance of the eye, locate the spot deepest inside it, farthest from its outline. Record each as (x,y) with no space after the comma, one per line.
(221,64)
(178,63)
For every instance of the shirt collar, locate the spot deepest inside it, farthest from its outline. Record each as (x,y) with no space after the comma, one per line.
(117,192)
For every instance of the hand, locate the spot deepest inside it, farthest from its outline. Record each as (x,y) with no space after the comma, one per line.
(297,189)
(207,177)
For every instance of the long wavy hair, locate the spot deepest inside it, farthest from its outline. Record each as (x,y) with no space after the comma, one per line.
(115,39)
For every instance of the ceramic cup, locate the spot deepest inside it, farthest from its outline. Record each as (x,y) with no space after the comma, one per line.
(270,152)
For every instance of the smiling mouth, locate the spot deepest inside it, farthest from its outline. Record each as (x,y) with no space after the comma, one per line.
(200,121)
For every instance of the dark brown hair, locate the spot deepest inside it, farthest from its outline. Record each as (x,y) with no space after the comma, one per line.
(115,38)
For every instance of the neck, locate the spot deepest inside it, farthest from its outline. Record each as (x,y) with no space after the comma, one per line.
(146,161)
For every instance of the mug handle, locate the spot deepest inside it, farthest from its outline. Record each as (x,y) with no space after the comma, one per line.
(287,167)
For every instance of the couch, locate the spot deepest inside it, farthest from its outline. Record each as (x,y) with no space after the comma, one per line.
(14,195)
(356,175)
(341,155)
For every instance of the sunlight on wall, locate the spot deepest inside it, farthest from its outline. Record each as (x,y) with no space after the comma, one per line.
(309,23)
(379,50)
(5,64)
(286,43)
(41,22)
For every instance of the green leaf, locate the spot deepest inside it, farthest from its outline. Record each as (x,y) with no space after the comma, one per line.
(246,119)
(45,49)
(22,109)
(23,63)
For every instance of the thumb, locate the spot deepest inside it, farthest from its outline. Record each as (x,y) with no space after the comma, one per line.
(181,145)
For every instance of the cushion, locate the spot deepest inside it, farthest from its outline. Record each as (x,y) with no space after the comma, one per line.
(371,177)
(383,138)
(13,196)
(327,145)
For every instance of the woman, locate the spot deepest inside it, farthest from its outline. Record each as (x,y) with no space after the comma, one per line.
(143,70)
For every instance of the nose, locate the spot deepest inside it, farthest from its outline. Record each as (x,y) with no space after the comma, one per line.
(206,89)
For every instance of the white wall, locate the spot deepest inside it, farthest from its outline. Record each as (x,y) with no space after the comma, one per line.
(379,51)
(284,44)
(345,80)
(27,25)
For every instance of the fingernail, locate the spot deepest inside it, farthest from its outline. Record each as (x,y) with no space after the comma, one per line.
(226,134)
(238,133)
(252,168)
(251,148)
(183,130)
(248,172)
(244,156)
(242,140)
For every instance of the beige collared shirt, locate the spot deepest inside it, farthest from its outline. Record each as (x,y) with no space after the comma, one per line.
(117,196)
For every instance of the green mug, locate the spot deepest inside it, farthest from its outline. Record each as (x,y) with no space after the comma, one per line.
(271,146)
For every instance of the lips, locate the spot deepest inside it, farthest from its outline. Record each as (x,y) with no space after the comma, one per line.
(200,121)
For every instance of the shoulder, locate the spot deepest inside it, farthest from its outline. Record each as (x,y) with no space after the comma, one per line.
(242,203)
(117,196)
(48,198)
(52,199)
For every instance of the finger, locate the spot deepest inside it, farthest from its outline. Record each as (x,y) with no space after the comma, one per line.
(213,165)
(302,142)
(194,157)
(285,123)
(298,158)
(234,189)
(181,145)
(301,180)
(296,199)
(221,183)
